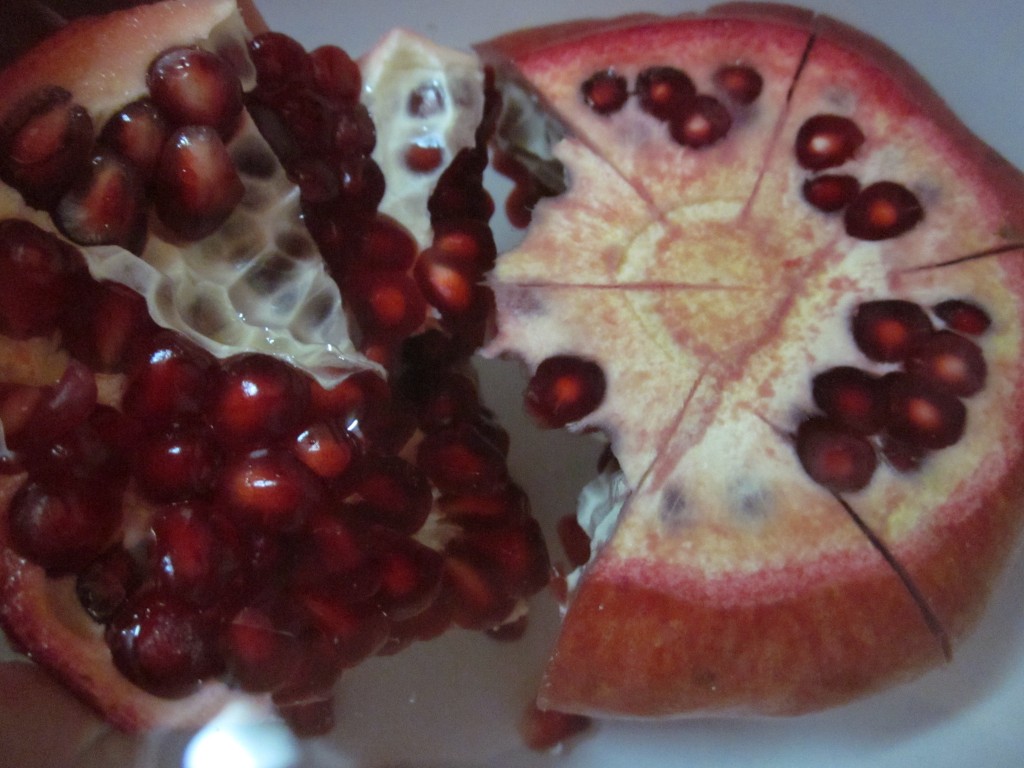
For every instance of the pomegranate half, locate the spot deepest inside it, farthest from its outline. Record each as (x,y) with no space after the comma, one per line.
(768,263)
(241,450)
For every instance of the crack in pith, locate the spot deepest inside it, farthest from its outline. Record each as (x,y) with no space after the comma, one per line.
(935,626)
(780,123)
(639,285)
(997,250)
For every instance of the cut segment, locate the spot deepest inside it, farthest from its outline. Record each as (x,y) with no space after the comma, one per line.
(782,536)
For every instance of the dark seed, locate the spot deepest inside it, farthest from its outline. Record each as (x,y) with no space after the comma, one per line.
(825,141)
(883,210)
(605,92)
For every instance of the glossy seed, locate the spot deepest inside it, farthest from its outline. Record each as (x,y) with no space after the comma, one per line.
(886,329)
(881,211)
(700,123)
(564,389)
(662,91)
(825,141)
(605,92)
(835,457)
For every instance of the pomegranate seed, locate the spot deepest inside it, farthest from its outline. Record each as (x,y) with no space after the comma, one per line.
(280,62)
(107,582)
(361,184)
(835,457)
(335,73)
(564,389)
(605,92)
(881,211)
(461,460)
(98,449)
(260,656)
(331,552)
(447,285)
(352,397)
(105,206)
(825,141)
(949,361)
(443,400)
(311,119)
(575,541)
(544,729)
(138,133)
(700,122)
(852,398)
(425,625)
(410,575)
(394,493)
(466,241)
(355,630)
(163,645)
(308,716)
(422,157)
(426,100)
(60,409)
(198,185)
(459,193)
(45,140)
(169,381)
(516,553)
(327,450)
(269,490)
(476,597)
(109,326)
(831,192)
(475,510)
(922,415)
(663,91)
(885,330)
(963,316)
(387,244)
(187,556)
(901,456)
(509,631)
(315,179)
(39,273)
(741,83)
(178,463)
(256,397)
(354,132)
(196,87)
(62,528)
(387,303)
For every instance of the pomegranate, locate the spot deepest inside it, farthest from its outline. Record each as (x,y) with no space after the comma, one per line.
(239,438)
(789,290)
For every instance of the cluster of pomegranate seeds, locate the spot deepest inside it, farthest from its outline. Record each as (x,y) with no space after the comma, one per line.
(166,150)
(289,536)
(879,211)
(234,518)
(905,412)
(307,106)
(667,93)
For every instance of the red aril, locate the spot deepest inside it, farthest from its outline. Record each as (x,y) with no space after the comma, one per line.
(791,280)
(207,477)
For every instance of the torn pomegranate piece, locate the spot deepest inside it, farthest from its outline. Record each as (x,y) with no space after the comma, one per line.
(215,480)
(802,285)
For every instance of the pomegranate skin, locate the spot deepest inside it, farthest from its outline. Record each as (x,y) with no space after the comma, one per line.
(732,582)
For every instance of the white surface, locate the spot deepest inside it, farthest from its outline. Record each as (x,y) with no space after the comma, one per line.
(454,703)
(455,706)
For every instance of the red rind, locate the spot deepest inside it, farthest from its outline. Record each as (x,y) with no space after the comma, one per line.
(42,617)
